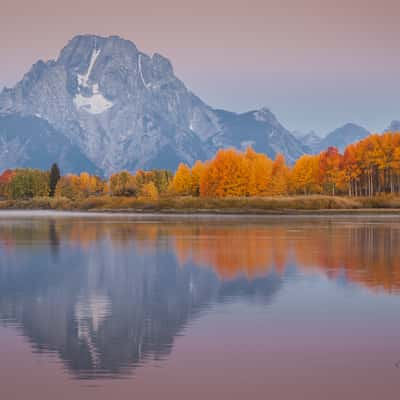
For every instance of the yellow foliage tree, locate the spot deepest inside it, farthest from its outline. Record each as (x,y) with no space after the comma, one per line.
(68,186)
(149,191)
(84,183)
(182,181)
(197,171)
(305,175)
(280,177)
(260,173)
(123,184)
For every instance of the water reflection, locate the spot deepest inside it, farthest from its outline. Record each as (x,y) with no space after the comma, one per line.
(108,295)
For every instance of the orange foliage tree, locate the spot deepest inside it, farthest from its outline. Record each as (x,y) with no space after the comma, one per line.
(305,177)
(5,179)
(196,173)
(182,180)
(331,170)
(260,173)
(226,175)
(280,177)
(372,165)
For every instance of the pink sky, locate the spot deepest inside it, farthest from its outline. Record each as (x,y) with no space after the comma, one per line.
(315,64)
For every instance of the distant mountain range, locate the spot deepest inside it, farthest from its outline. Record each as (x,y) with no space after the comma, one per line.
(340,138)
(104,106)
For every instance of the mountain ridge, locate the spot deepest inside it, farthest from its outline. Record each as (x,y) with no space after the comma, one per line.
(343,136)
(125,109)
(120,108)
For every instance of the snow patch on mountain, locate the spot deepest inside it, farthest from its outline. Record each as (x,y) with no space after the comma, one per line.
(146,85)
(84,79)
(95,104)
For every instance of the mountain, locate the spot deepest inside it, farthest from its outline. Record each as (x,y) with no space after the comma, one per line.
(394,126)
(126,110)
(343,136)
(310,140)
(32,142)
(259,129)
(340,138)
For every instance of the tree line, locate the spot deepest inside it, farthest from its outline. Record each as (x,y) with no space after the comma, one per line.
(367,168)
(28,183)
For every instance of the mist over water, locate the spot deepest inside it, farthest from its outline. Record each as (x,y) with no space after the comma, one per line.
(114,306)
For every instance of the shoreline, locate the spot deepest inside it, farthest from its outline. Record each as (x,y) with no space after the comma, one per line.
(198,214)
(198,207)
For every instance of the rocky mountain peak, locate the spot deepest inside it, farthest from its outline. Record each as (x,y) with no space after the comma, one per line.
(343,136)
(162,65)
(125,109)
(264,115)
(79,49)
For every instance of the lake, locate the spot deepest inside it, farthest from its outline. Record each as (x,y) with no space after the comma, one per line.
(118,306)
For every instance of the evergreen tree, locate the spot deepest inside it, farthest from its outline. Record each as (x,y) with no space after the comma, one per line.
(54,178)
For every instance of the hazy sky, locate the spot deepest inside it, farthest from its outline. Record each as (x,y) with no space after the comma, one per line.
(315,64)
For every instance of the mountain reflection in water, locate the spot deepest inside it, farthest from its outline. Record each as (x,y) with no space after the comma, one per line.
(107,295)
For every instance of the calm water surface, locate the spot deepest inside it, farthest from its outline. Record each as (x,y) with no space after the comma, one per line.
(113,307)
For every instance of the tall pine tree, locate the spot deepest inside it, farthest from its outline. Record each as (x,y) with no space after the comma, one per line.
(54,178)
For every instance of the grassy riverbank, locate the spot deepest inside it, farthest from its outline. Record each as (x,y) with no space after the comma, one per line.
(253,205)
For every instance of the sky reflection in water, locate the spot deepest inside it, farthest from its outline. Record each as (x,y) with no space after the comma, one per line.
(270,302)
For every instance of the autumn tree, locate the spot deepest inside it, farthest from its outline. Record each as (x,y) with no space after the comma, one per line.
(260,173)
(149,191)
(123,184)
(160,177)
(226,175)
(305,175)
(352,170)
(182,181)
(372,165)
(29,183)
(76,187)
(84,183)
(196,172)
(68,186)
(5,179)
(280,177)
(331,172)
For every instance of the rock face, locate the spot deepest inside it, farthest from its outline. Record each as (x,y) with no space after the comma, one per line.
(126,110)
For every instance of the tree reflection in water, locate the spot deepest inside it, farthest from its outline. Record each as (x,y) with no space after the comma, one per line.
(108,295)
